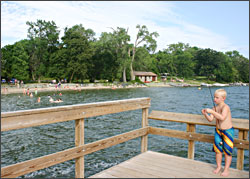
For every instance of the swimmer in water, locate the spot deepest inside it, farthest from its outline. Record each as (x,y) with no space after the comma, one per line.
(51,100)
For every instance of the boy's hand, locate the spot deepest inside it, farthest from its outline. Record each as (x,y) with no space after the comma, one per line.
(209,110)
(204,111)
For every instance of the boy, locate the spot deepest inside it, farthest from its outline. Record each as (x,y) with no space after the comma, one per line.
(224,131)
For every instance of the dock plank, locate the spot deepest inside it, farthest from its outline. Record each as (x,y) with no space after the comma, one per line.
(158,165)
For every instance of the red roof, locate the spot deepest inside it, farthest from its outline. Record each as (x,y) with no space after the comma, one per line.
(142,73)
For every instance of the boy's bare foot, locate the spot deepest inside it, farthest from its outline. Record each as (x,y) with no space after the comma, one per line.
(217,170)
(225,173)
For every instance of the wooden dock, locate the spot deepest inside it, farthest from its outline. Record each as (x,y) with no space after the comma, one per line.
(147,165)
(158,165)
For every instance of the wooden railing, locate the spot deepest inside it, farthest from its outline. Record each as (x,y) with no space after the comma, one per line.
(241,143)
(37,117)
(77,113)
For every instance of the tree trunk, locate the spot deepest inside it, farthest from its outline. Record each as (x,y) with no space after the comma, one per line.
(70,80)
(33,76)
(132,72)
(124,75)
(131,65)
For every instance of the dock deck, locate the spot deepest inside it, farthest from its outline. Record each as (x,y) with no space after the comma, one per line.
(158,165)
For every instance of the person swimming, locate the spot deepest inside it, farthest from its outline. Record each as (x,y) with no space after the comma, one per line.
(51,99)
(57,101)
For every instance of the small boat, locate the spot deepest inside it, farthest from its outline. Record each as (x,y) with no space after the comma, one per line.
(205,84)
(220,84)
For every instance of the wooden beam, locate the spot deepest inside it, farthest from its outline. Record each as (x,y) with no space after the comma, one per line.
(194,119)
(241,144)
(240,152)
(144,139)
(191,146)
(79,140)
(36,117)
(22,168)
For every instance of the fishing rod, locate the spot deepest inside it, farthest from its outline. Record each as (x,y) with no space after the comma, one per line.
(211,94)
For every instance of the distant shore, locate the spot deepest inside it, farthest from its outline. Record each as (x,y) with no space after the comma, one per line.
(46,87)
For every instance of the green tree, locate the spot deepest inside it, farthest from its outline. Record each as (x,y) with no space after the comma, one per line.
(104,60)
(121,39)
(79,45)
(144,61)
(165,63)
(58,64)
(184,64)
(44,39)
(6,61)
(205,62)
(240,66)
(224,69)
(20,67)
(147,39)
(182,58)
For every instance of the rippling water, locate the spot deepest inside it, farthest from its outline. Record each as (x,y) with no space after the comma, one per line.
(24,144)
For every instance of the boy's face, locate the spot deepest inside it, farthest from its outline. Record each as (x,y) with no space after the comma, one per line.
(218,98)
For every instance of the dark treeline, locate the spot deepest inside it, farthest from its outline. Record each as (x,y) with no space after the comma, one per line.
(80,56)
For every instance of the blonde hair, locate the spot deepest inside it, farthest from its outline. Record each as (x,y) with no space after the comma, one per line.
(222,92)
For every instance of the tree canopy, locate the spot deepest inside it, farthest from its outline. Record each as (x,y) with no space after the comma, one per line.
(79,55)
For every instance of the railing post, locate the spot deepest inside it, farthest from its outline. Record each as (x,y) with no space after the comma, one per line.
(191,146)
(240,152)
(144,139)
(79,140)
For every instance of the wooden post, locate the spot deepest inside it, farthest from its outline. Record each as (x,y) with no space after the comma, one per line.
(144,139)
(240,152)
(191,128)
(79,140)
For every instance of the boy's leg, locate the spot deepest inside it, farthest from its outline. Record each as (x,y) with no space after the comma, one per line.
(217,148)
(228,139)
(218,162)
(228,160)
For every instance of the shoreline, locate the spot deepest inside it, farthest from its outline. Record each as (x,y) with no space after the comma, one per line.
(46,87)
(64,87)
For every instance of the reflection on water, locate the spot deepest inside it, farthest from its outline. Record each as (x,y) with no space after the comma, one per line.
(25,144)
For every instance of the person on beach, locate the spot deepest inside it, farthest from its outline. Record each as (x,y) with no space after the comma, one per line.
(31,95)
(224,131)
(28,91)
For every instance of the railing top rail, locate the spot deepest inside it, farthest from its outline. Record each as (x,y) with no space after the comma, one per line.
(36,117)
(242,124)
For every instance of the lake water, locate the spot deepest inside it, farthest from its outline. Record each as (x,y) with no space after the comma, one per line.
(24,144)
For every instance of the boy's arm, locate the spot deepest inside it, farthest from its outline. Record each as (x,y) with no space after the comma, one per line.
(210,118)
(222,116)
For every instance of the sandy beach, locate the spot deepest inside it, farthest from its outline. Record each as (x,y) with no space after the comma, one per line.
(10,89)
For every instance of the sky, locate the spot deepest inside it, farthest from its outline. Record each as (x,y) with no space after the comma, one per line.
(219,25)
